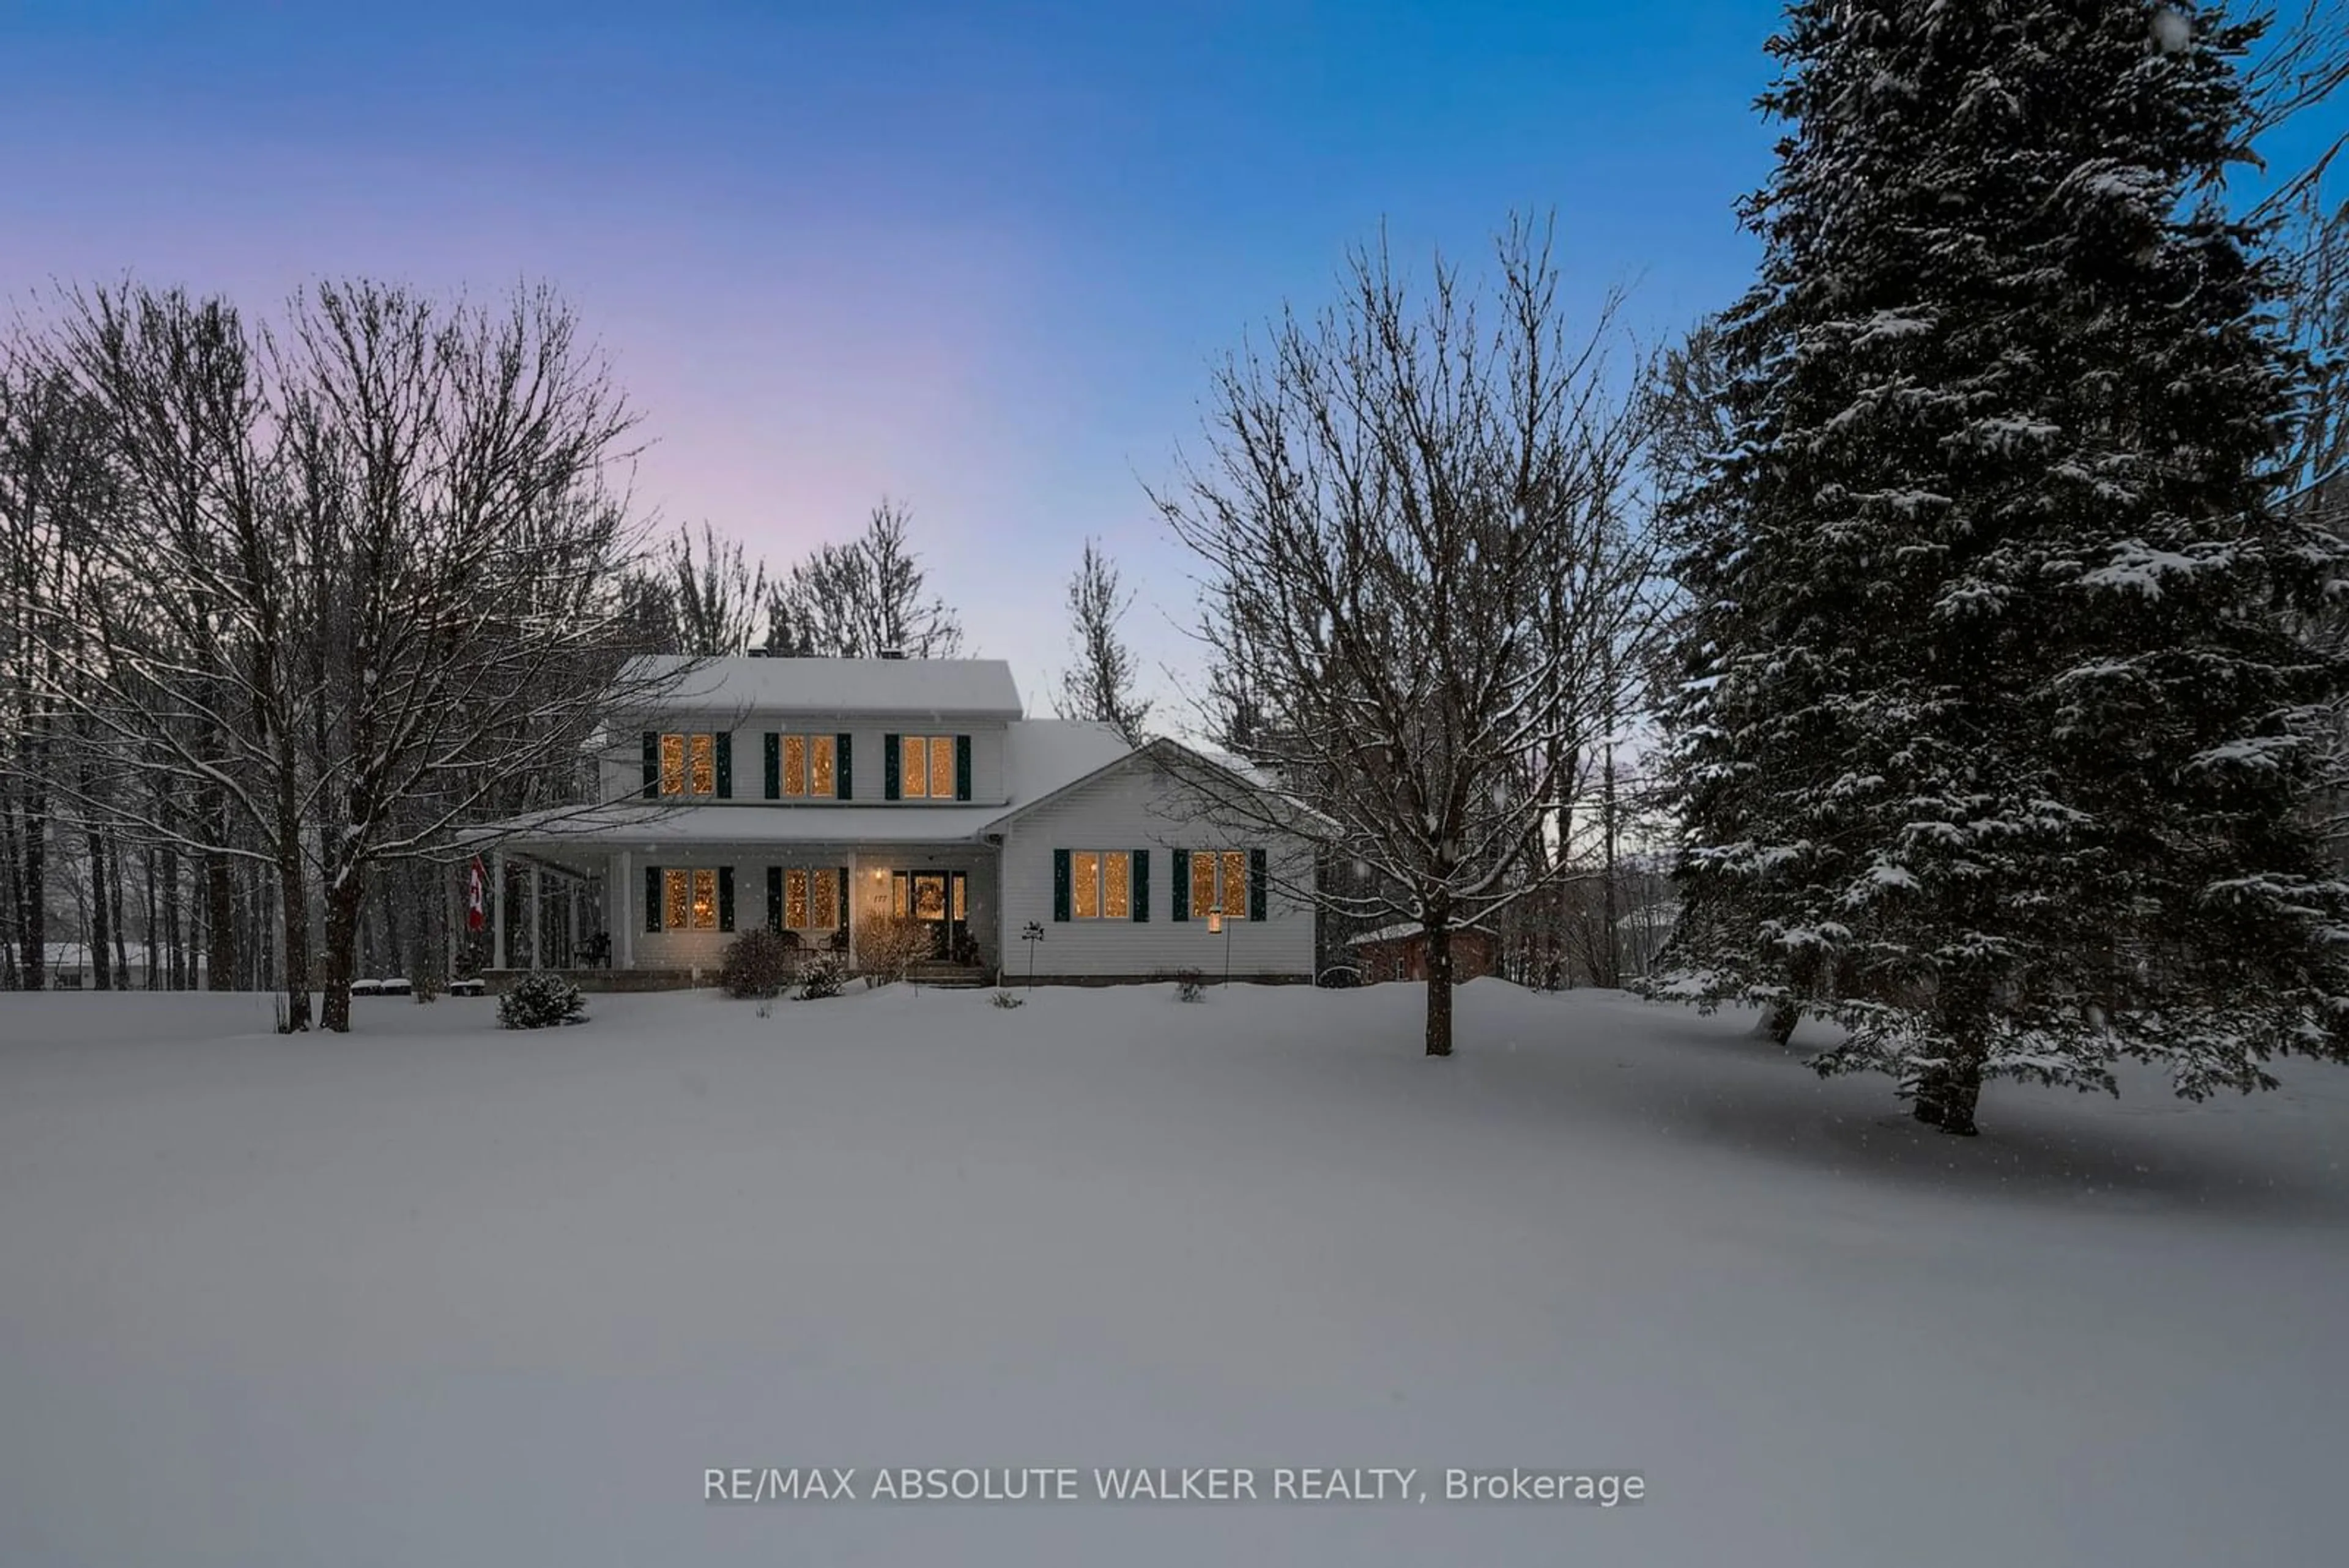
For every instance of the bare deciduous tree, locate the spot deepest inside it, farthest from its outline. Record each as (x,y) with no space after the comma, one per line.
(862,599)
(1422,564)
(1100,686)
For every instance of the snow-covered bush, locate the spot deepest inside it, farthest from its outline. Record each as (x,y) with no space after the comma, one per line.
(823,977)
(1009,999)
(758,963)
(1190,985)
(541,1002)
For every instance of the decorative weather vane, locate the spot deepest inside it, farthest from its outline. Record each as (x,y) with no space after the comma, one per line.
(1032,935)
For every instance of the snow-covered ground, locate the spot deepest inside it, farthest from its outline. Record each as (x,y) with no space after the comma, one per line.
(431,1294)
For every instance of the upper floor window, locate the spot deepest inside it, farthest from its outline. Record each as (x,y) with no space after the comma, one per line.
(806,767)
(685,764)
(926,767)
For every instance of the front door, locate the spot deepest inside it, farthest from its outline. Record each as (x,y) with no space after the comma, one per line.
(940,900)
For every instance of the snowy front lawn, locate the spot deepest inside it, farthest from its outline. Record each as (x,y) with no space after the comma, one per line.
(435,1294)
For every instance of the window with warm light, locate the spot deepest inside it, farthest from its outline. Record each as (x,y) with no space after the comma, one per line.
(689,765)
(808,767)
(925,767)
(1219,881)
(689,900)
(1101,885)
(807,897)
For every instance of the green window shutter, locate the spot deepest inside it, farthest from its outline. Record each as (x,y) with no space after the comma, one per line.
(962,767)
(774,765)
(1060,884)
(726,898)
(842,872)
(774,895)
(840,789)
(652,763)
(1178,892)
(1256,884)
(726,765)
(1141,884)
(888,767)
(652,897)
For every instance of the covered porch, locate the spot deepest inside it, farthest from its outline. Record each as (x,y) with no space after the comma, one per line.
(653,916)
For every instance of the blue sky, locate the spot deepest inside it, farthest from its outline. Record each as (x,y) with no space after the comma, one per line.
(979,256)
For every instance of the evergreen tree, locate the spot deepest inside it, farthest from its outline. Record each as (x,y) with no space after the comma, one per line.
(1995,745)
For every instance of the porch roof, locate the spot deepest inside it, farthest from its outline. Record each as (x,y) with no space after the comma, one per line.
(632,826)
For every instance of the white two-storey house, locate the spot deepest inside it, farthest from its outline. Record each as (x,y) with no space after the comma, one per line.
(811,795)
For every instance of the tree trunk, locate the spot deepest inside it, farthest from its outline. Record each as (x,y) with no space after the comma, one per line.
(1947,1095)
(174,946)
(36,927)
(294,921)
(220,923)
(346,897)
(99,931)
(1439,986)
(1777,1022)
(114,903)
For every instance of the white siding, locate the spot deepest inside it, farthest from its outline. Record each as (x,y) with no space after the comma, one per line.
(1125,808)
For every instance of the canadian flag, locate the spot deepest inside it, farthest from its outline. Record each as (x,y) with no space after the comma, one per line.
(477,912)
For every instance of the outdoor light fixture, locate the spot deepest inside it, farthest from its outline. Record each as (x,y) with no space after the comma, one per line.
(1215,922)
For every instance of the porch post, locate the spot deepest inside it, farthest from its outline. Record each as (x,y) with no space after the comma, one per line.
(537,911)
(497,909)
(623,924)
(571,918)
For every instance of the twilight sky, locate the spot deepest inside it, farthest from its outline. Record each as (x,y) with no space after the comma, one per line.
(977,256)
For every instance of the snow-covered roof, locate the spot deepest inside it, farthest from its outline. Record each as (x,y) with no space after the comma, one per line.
(1041,757)
(75,955)
(903,688)
(1407,928)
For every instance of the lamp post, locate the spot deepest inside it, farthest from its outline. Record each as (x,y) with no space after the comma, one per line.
(1216,922)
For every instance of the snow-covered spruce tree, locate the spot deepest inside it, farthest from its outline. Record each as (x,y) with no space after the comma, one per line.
(1995,749)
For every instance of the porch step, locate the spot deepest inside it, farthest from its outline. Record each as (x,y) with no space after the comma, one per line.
(936,973)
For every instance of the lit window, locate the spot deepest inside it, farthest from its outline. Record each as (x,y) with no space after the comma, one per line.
(1117,893)
(898,902)
(812,899)
(820,766)
(794,764)
(1219,880)
(961,900)
(689,765)
(1101,885)
(925,767)
(689,900)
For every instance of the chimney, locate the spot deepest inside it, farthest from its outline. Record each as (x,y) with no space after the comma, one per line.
(893,653)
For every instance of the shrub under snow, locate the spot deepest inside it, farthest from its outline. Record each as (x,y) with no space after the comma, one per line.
(541,1002)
